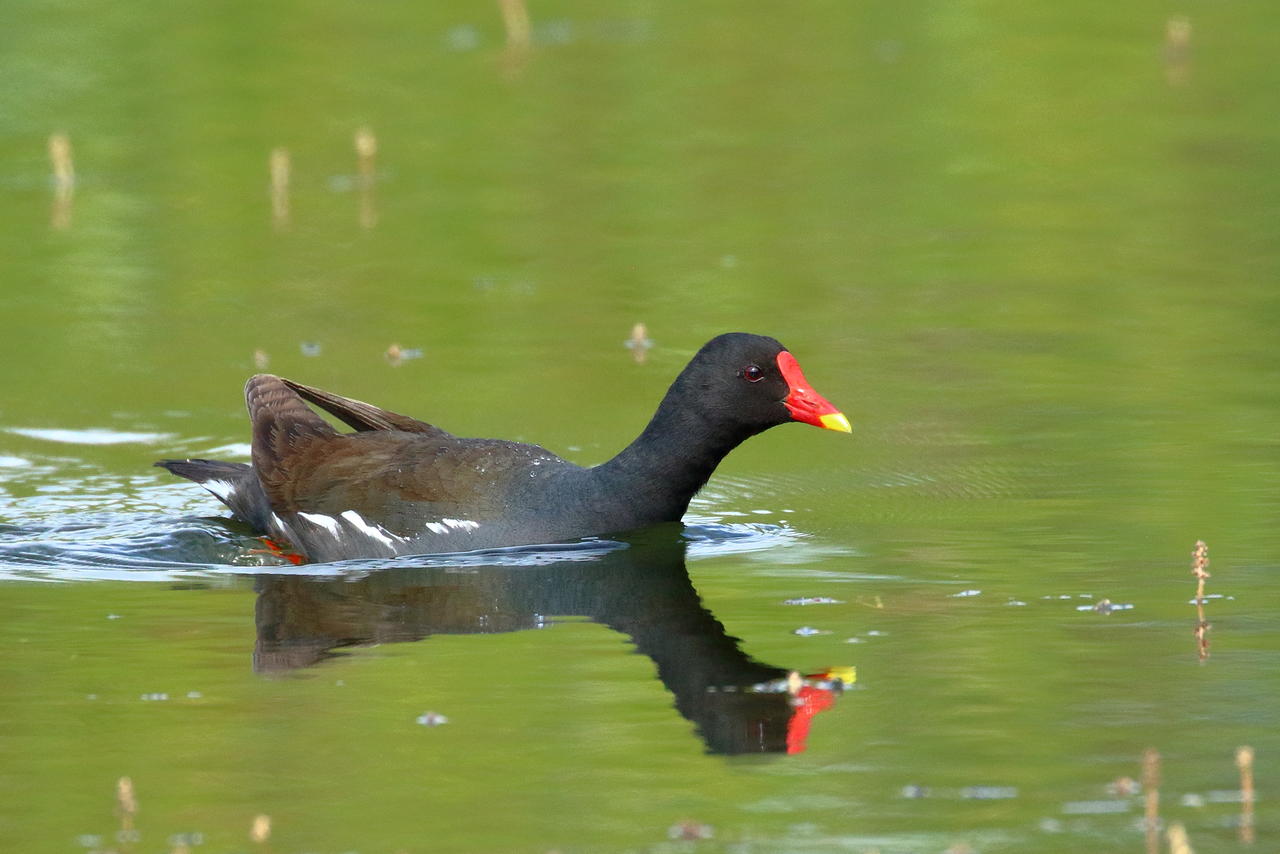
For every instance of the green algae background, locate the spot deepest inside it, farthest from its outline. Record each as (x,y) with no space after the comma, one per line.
(1029,248)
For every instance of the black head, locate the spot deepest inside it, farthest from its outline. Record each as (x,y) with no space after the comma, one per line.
(751,383)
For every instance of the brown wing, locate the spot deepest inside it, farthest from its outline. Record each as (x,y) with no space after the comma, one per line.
(402,481)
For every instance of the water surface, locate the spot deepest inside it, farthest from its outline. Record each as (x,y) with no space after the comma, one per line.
(1030,250)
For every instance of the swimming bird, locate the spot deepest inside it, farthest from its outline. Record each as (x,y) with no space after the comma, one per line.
(400,486)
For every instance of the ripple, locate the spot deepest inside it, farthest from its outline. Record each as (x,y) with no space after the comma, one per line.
(90,436)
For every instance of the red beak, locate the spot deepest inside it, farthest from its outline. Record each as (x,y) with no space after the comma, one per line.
(804,403)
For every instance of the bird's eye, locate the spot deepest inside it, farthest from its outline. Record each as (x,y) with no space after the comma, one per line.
(751,373)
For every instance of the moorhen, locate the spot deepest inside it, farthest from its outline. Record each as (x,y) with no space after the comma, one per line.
(401,486)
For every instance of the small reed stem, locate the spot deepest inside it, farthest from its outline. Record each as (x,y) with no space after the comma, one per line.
(515,19)
(1178,841)
(366,167)
(519,29)
(1244,761)
(1151,795)
(1177,50)
(280,168)
(64,180)
(127,805)
(1200,569)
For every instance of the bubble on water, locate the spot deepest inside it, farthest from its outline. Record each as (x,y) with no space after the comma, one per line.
(1095,807)
(462,38)
(965,594)
(812,600)
(808,631)
(194,695)
(989,793)
(1105,606)
(154,697)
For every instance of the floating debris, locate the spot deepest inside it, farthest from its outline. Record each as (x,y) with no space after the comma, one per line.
(691,830)
(431,719)
(809,631)
(639,343)
(397,355)
(1124,787)
(156,697)
(311,349)
(915,792)
(965,594)
(812,600)
(1015,603)
(260,830)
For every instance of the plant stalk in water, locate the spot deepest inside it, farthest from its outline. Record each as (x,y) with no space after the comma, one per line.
(1200,569)
(1151,794)
(1244,761)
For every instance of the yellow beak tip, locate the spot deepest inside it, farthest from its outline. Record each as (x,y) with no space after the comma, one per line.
(836,421)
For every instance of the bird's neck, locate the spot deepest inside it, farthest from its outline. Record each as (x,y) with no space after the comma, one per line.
(659,473)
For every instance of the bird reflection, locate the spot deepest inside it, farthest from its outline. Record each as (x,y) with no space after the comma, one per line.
(738,704)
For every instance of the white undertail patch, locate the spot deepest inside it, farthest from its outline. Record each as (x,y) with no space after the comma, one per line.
(224,489)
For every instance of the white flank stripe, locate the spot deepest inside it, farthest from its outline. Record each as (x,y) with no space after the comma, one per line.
(371,530)
(329,523)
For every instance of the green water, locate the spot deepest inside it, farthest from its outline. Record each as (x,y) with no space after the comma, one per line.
(1030,249)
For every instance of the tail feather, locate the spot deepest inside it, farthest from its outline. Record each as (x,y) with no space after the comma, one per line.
(283,425)
(234,484)
(363,416)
